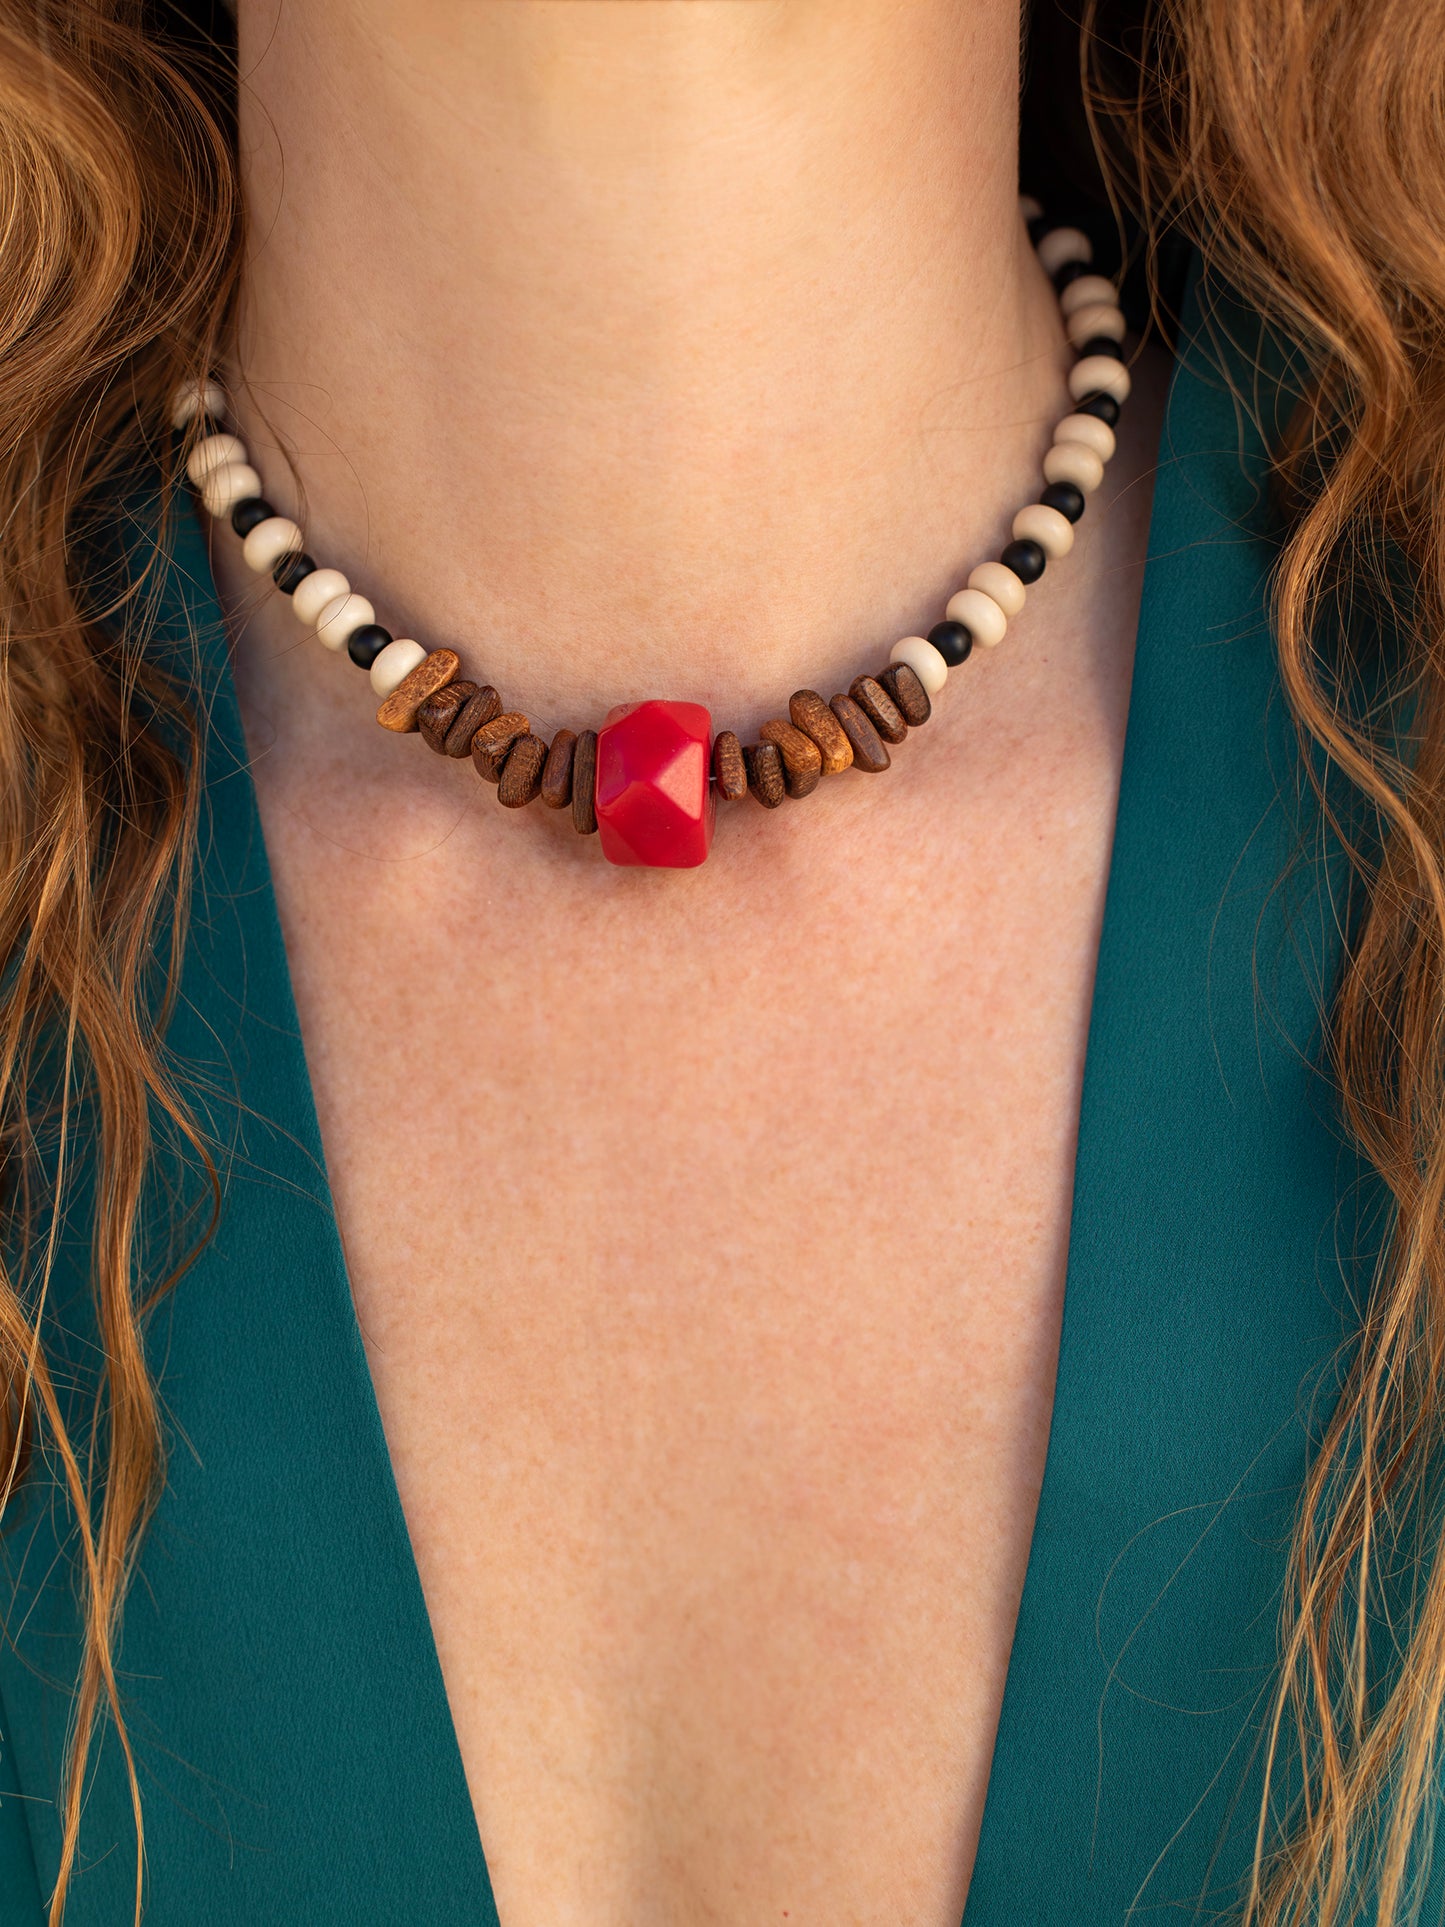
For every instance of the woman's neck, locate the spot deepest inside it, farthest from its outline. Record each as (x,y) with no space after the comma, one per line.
(675,347)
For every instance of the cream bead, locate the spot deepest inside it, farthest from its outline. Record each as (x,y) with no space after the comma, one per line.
(314,591)
(395,664)
(341,617)
(194,398)
(214,452)
(232,482)
(1073,462)
(996,579)
(264,547)
(1089,291)
(984,620)
(1064,244)
(1053,532)
(1029,208)
(1099,374)
(1089,430)
(1099,318)
(923,659)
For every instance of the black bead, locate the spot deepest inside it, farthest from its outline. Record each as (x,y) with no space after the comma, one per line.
(952,641)
(1038,227)
(245,515)
(1026,559)
(1102,345)
(203,425)
(365,644)
(1070,272)
(1064,497)
(291,571)
(1103,406)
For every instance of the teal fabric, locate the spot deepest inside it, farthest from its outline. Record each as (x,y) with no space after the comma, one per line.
(298,1760)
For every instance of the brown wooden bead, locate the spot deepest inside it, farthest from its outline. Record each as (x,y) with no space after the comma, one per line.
(483,706)
(879,707)
(439,712)
(802,758)
(766,780)
(817,722)
(584,783)
(908,693)
(729,767)
(432,673)
(557,770)
(869,750)
(492,742)
(521,777)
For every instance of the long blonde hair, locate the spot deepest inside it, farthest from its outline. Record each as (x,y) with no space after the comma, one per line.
(1302,142)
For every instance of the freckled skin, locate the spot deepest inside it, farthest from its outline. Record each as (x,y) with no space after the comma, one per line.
(707,1229)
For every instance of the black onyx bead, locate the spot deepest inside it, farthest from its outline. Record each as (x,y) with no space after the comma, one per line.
(1026,559)
(1102,345)
(291,571)
(365,644)
(1064,497)
(1038,227)
(1102,405)
(1070,272)
(245,515)
(952,641)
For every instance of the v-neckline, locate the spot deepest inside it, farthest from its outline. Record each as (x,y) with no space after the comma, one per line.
(279,1582)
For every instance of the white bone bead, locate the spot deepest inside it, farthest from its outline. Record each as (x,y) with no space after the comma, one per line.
(1089,291)
(1053,532)
(193,398)
(232,482)
(1089,430)
(264,547)
(923,659)
(341,617)
(1098,318)
(1099,374)
(314,591)
(214,452)
(1064,244)
(984,620)
(996,579)
(1073,462)
(1029,208)
(395,664)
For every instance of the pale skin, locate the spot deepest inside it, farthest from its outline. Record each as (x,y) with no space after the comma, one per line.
(707,1230)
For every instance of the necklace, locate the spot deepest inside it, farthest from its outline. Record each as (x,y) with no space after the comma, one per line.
(649,780)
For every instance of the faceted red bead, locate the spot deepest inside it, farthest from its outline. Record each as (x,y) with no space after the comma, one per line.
(655,803)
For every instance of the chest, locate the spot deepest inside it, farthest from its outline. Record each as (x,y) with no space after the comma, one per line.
(707,1235)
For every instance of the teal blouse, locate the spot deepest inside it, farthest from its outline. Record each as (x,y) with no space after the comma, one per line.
(298,1761)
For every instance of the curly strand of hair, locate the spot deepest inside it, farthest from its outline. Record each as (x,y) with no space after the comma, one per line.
(118,254)
(1303,140)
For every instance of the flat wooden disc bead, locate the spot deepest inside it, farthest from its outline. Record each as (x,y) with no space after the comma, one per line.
(521,777)
(557,770)
(483,706)
(802,758)
(729,767)
(813,716)
(492,742)
(766,780)
(584,784)
(869,751)
(909,696)
(432,673)
(439,712)
(879,707)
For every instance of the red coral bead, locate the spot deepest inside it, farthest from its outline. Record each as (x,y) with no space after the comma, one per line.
(655,802)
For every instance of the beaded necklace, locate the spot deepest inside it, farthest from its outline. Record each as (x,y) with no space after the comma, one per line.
(649,780)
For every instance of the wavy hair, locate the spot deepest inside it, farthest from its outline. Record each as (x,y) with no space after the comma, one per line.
(1301,143)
